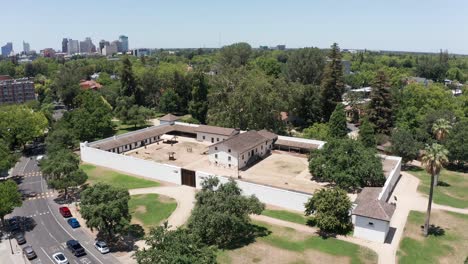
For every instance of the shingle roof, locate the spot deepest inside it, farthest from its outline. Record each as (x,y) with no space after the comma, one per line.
(268,134)
(368,205)
(244,141)
(169,118)
(216,130)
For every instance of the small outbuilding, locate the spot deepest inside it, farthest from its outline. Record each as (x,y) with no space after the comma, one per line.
(371,216)
(214,134)
(168,119)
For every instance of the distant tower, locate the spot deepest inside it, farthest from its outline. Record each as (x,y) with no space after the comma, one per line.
(65,45)
(7,50)
(124,42)
(26,48)
(102,44)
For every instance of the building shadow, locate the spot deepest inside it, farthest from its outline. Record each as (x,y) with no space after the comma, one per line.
(390,235)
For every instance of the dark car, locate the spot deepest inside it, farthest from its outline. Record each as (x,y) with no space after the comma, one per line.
(73,222)
(20,239)
(75,248)
(65,212)
(13,225)
(28,251)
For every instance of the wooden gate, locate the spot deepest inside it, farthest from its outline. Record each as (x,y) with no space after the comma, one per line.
(188,177)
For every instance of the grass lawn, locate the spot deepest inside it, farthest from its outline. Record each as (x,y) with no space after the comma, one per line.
(286,245)
(286,216)
(122,129)
(451,247)
(452,192)
(151,210)
(114,178)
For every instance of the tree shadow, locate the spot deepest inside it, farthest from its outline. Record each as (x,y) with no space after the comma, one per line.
(443,184)
(124,243)
(249,236)
(333,233)
(434,230)
(411,168)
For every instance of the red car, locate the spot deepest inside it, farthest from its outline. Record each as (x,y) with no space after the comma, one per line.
(65,212)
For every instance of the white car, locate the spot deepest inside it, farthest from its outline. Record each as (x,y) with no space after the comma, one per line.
(39,158)
(60,258)
(101,246)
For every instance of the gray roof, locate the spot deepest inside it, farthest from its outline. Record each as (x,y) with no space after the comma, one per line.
(244,141)
(169,118)
(296,144)
(216,130)
(268,134)
(369,205)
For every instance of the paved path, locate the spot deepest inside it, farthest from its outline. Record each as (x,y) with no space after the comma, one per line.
(184,195)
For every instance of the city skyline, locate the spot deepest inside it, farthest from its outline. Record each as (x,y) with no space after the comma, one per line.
(420,26)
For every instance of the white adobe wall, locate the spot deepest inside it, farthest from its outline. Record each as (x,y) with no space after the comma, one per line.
(376,232)
(274,196)
(129,164)
(208,137)
(392,178)
(223,156)
(304,140)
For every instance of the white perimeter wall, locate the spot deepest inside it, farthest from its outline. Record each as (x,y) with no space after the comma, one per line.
(274,196)
(376,232)
(129,164)
(208,137)
(304,140)
(392,178)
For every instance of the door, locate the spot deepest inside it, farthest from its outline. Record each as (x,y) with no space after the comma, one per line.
(188,177)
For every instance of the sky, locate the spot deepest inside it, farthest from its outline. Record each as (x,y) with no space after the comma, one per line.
(411,25)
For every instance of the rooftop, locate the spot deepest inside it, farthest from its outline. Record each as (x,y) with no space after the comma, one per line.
(245,141)
(169,118)
(369,205)
(216,130)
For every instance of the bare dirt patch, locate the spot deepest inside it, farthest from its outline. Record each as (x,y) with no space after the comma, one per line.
(140,209)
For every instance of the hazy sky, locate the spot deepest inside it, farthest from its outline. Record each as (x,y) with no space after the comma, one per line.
(410,25)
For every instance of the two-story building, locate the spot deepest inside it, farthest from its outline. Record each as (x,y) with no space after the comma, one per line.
(213,134)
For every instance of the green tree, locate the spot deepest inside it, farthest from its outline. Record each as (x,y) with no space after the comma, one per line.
(139,115)
(128,81)
(7,158)
(305,66)
(366,134)
(169,102)
(337,124)
(61,137)
(235,55)
(441,129)
(61,170)
(404,145)
(66,84)
(330,209)
(105,208)
(435,156)
(174,246)
(306,103)
(348,164)
(319,131)
(221,213)
(332,82)
(380,107)
(9,199)
(269,65)
(198,107)
(457,143)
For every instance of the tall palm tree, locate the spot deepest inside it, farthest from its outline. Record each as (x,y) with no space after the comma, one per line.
(434,158)
(441,129)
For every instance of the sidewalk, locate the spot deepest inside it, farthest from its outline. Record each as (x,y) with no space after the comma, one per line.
(5,252)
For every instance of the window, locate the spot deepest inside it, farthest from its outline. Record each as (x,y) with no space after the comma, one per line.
(216,156)
(229,150)
(203,137)
(261,147)
(216,148)
(266,143)
(242,156)
(229,165)
(229,158)
(217,139)
(371,224)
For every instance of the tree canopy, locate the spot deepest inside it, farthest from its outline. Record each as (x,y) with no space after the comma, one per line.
(9,199)
(337,123)
(332,84)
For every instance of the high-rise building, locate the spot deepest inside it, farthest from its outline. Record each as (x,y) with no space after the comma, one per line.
(16,91)
(102,44)
(7,49)
(111,49)
(26,48)
(118,44)
(73,46)
(87,46)
(65,45)
(124,42)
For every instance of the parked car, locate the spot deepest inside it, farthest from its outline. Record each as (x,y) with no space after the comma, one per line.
(20,238)
(102,247)
(65,212)
(13,225)
(73,222)
(60,258)
(29,252)
(75,248)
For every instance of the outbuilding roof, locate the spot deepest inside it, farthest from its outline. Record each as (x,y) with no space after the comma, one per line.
(245,141)
(216,130)
(369,205)
(169,118)
(296,144)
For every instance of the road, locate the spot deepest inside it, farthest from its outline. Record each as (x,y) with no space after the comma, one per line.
(49,231)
